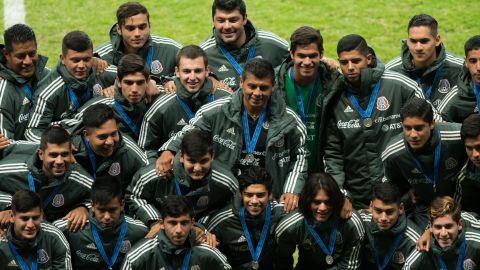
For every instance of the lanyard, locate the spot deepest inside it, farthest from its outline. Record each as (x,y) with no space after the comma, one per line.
(436,164)
(477,95)
(51,195)
(435,79)
(91,156)
(333,237)
(396,242)
(251,142)
(373,96)
(74,99)
(459,260)
(19,259)
(177,188)
(211,98)
(185,108)
(116,251)
(27,92)
(263,236)
(234,62)
(186,261)
(133,127)
(313,94)
(150,57)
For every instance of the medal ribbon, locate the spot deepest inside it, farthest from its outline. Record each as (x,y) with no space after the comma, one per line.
(436,163)
(177,188)
(373,96)
(263,236)
(435,79)
(211,98)
(186,261)
(234,62)
(150,57)
(91,156)
(116,251)
(459,260)
(74,99)
(396,242)
(51,195)
(133,127)
(477,95)
(19,259)
(251,142)
(185,108)
(313,94)
(318,240)
(27,92)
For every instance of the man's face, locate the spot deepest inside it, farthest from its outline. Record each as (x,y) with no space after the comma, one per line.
(135,31)
(385,215)
(191,73)
(23,58)
(422,45)
(196,167)
(256,91)
(472,147)
(306,59)
(351,63)
(177,229)
(108,214)
(445,230)
(473,64)
(255,199)
(104,139)
(27,225)
(55,159)
(229,26)
(321,208)
(417,131)
(133,87)
(78,64)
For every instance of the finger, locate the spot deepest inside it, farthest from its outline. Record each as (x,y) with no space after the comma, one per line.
(84,222)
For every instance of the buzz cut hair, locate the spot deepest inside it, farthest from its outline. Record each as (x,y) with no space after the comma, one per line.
(191,52)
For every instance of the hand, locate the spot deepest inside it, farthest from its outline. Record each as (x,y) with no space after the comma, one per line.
(423,243)
(330,63)
(99,64)
(290,200)
(152,92)
(204,237)
(170,87)
(219,85)
(77,218)
(4,141)
(164,163)
(153,230)
(6,218)
(108,92)
(346,212)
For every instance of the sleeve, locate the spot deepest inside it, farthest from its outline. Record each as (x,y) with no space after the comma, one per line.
(152,135)
(334,163)
(416,261)
(5,201)
(213,258)
(298,159)
(61,258)
(7,122)
(286,238)
(41,114)
(447,107)
(351,254)
(394,175)
(74,124)
(108,76)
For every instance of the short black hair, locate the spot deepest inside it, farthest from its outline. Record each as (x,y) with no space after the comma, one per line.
(386,192)
(255,175)
(77,41)
(197,143)
(315,183)
(304,36)
(353,42)
(130,9)
(18,33)
(131,64)
(106,189)
(54,135)
(424,20)
(191,52)
(229,5)
(25,200)
(470,127)
(417,107)
(97,115)
(472,43)
(260,68)
(175,206)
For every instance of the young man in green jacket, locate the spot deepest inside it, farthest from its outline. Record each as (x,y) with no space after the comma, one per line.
(31,243)
(425,159)
(173,247)
(464,98)
(423,58)
(109,233)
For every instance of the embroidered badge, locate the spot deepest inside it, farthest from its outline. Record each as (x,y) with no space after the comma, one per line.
(156,67)
(97,90)
(443,86)
(58,200)
(114,169)
(450,163)
(42,256)
(126,246)
(382,103)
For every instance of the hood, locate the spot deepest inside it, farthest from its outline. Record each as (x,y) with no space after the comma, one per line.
(465,90)
(11,76)
(250,40)
(418,73)
(194,100)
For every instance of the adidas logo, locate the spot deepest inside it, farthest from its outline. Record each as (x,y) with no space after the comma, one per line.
(91,246)
(181,122)
(415,170)
(242,239)
(348,109)
(12,263)
(25,101)
(231,131)
(223,68)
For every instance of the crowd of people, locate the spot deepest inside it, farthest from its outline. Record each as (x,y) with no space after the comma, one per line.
(240,152)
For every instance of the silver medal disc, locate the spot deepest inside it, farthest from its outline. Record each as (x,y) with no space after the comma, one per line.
(367,122)
(250,158)
(329,259)
(255,265)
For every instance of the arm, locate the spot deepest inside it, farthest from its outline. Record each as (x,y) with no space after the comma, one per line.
(353,238)
(447,106)
(286,237)
(7,122)
(334,163)
(61,258)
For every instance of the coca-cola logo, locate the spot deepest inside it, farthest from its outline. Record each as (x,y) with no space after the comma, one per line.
(23,117)
(354,123)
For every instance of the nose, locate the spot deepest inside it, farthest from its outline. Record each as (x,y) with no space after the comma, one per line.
(109,140)
(350,66)
(197,166)
(27,60)
(30,223)
(307,61)
(413,133)
(254,199)
(107,216)
(418,46)
(383,216)
(59,159)
(191,75)
(475,153)
(136,32)
(322,206)
(227,24)
(443,231)
(81,64)
(178,229)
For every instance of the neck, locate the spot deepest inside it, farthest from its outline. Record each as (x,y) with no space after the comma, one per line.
(425,64)
(128,49)
(302,80)
(254,112)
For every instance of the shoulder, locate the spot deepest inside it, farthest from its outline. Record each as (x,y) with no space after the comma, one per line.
(224,177)
(143,248)
(104,49)
(394,147)
(215,106)
(50,84)
(220,217)
(412,232)
(289,224)
(135,149)
(208,43)
(355,225)
(79,175)
(395,78)
(136,226)
(395,62)
(165,42)
(207,252)
(453,60)
(52,232)
(449,131)
(161,106)
(271,38)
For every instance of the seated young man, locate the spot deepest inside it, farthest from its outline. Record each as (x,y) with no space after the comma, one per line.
(108,235)
(173,247)
(32,243)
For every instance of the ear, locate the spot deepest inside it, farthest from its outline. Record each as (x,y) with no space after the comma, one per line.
(292,53)
(162,225)
(370,207)
(438,40)
(119,82)
(245,19)
(460,224)
(241,82)
(62,59)
(369,58)
(40,154)
(207,69)
(5,52)
(123,204)
(401,208)
(119,29)
(182,159)
(177,71)
(85,133)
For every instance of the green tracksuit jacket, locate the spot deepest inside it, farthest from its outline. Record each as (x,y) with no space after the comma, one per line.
(451,67)
(86,255)
(291,231)
(166,116)
(158,253)
(147,191)
(267,45)
(52,103)
(469,187)
(352,150)
(385,239)
(285,153)
(164,50)
(15,104)
(226,226)
(51,247)
(74,186)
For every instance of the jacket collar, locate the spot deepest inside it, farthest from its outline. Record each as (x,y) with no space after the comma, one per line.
(194,100)
(169,248)
(78,86)
(8,74)
(411,69)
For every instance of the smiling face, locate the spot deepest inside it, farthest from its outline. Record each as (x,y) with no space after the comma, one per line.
(321,206)
(306,59)
(351,64)
(385,215)
(191,73)
(78,64)
(196,167)
(177,229)
(135,32)
(55,159)
(422,46)
(104,139)
(27,225)
(417,131)
(256,92)
(445,230)
(22,59)
(255,198)
(133,87)
(230,27)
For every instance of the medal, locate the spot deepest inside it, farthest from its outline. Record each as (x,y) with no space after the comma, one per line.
(367,122)
(255,265)
(250,142)
(250,158)
(328,251)
(255,252)
(329,259)
(366,115)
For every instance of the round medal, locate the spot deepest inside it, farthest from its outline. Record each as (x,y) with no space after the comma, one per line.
(255,265)
(367,122)
(329,259)
(250,158)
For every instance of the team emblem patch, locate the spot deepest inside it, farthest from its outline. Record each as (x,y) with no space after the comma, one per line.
(450,163)
(443,86)
(266,125)
(97,90)
(469,264)
(202,202)
(114,169)
(42,256)
(156,67)
(398,257)
(126,246)
(280,142)
(58,200)
(382,103)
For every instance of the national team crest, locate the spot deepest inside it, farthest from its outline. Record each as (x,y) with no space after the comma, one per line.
(42,256)
(450,163)
(398,257)
(382,103)
(280,142)
(443,86)
(156,67)
(469,264)
(97,90)
(58,200)
(126,246)
(114,169)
